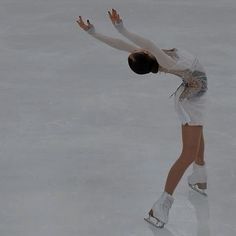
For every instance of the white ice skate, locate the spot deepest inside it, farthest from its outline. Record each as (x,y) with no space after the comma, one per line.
(159,214)
(198,179)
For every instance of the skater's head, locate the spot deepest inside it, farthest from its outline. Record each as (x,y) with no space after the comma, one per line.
(143,62)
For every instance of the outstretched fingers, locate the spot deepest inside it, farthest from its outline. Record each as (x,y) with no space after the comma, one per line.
(82,24)
(114,16)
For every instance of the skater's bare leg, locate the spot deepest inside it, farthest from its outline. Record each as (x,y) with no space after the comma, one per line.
(198,179)
(200,157)
(191,138)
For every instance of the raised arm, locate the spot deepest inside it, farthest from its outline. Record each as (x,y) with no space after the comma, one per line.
(163,59)
(113,42)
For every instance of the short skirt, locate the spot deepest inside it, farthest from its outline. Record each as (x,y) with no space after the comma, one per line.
(190,111)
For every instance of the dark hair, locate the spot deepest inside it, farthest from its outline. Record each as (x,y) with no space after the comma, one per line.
(142,63)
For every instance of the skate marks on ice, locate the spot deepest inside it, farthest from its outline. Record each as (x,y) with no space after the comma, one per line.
(202,212)
(207,225)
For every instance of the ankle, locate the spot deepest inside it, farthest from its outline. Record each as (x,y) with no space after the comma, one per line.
(200,162)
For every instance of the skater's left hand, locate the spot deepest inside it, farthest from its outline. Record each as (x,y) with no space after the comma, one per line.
(83,25)
(114,17)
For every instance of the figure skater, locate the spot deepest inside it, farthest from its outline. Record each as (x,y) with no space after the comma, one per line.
(145,57)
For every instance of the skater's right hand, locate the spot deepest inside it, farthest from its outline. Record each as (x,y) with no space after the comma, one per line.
(86,27)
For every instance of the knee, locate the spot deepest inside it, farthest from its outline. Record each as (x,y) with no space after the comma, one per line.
(190,151)
(187,158)
(184,162)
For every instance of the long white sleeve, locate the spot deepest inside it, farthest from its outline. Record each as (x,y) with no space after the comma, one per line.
(113,42)
(163,59)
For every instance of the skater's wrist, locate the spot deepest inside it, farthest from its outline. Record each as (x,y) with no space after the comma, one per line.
(90,30)
(119,25)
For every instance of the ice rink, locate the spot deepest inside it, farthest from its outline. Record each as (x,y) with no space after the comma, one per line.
(85,144)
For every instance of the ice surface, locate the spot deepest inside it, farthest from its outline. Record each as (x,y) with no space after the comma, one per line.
(85,144)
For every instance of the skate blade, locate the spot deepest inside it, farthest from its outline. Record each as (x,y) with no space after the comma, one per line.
(195,188)
(158,224)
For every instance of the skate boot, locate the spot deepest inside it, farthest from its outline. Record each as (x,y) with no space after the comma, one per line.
(159,214)
(198,179)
